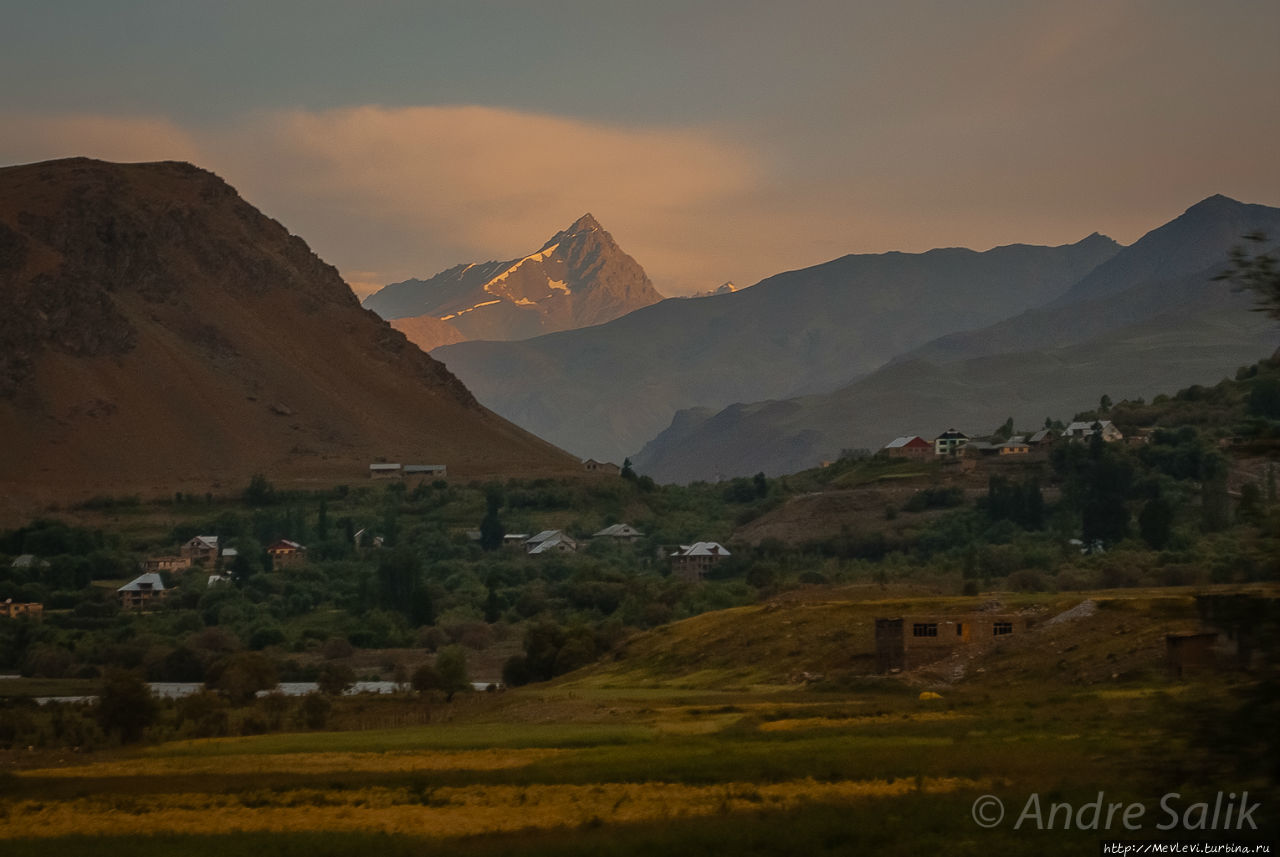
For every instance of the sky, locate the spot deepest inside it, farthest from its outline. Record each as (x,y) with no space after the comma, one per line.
(715,140)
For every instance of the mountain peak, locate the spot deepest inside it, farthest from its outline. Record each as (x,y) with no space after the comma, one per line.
(578,277)
(585,223)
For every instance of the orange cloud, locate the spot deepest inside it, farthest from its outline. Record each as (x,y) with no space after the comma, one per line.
(490,183)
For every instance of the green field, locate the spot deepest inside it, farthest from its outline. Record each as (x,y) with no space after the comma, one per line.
(609,761)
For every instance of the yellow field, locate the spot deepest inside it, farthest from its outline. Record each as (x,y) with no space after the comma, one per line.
(445,811)
(304,763)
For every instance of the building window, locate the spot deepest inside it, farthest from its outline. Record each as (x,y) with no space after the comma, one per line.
(999,629)
(959,629)
(924,629)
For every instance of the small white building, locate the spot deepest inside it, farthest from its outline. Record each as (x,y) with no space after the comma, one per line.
(426,471)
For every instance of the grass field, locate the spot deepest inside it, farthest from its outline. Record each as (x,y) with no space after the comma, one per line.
(616,761)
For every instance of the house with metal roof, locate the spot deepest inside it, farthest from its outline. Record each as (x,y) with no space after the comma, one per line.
(1088,428)
(950,442)
(691,562)
(908,446)
(550,541)
(141,591)
(200,549)
(285,553)
(619,532)
(426,471)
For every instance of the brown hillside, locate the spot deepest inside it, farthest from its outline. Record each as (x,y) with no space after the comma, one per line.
(158,333)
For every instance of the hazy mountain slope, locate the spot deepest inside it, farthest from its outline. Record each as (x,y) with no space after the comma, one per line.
(578,278)
(603,391)
(1170,327)
(1167,266)
(975,395)
(156,331)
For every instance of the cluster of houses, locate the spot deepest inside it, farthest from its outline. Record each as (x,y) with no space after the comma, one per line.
(956,443)
(199,551)
(688,562)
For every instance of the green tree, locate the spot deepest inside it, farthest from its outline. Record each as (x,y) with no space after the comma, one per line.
(313,710)
(240,676)
(491,529)
(260,492)
(125,706)
(451,664)
(426,679)
(1264,398)
(1155,522)
(1257,271)
(334,679)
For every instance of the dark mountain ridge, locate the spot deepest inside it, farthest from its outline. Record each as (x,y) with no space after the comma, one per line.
(158,331)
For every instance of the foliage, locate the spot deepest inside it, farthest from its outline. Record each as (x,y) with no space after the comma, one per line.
(125,705)
(451,666)
(334,679)
(1257,271)
(240,676)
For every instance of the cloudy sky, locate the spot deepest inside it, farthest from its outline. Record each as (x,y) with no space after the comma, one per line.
(715,140)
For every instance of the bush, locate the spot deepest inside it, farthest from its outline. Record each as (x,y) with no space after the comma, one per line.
(334,679)
(125,706)
(313,710)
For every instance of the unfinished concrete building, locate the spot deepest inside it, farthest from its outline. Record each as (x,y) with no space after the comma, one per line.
(908,642)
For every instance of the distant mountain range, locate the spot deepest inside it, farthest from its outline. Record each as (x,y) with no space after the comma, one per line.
(157,332)
(605,391)
(579,277)
(1148,320)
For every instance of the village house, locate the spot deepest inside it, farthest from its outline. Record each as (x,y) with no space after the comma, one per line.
(1190,652)
(166,563)
(950,442)
(362,535)
(200,550)
(909,446)
(620,533)
(1042,439)
(1088,428)
(28,560)
(907,643)
(141,591)
(691,562)
(285,553)
(550,541)
(384,471)
(601,466)
(11,609)
(981,449)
